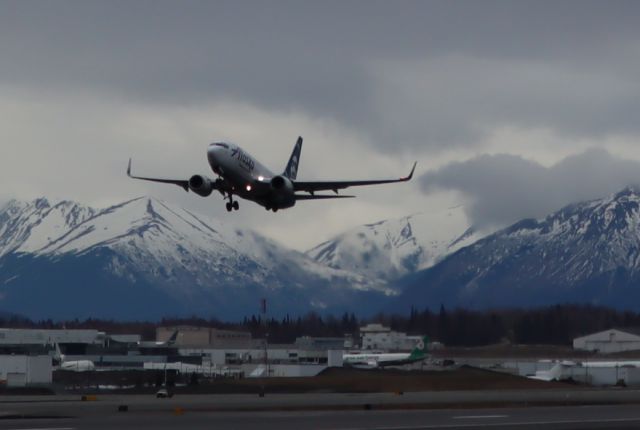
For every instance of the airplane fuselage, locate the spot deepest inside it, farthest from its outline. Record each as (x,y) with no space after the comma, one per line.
(379,360)
(247,178)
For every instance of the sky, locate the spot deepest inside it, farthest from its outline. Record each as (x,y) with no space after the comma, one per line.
(512,109)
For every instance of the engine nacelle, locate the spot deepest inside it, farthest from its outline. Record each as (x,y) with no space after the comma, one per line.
(201,185)
(282,193)
(281,183)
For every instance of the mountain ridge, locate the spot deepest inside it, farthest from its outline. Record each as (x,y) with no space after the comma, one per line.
(585,252)
(395,247)
(200,263)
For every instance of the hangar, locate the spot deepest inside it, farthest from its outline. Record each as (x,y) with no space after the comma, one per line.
(610,341)
(24,370)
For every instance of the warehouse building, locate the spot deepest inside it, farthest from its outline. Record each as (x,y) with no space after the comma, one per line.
(379,337)
(609,341)
(12,336)
(25,370)
(192,336)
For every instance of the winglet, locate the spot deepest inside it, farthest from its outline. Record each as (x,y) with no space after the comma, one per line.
(408,178)
(129,168)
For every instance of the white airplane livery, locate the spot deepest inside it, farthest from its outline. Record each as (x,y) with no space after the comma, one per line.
(73,365)
(373,360)
(241,175)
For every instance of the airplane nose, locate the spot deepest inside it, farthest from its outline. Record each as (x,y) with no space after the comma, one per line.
(211,153)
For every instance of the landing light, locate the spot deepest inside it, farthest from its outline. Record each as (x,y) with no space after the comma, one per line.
(248,187)
(260,178)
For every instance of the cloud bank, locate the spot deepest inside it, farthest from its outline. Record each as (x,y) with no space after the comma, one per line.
(502,189)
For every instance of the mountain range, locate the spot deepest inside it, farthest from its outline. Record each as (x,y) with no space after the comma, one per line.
(390,249)
(145,259)
(587,252)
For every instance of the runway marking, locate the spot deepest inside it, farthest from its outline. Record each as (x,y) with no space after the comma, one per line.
(503,424)
(477,417)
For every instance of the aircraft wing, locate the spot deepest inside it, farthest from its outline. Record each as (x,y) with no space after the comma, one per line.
(319,197)
(182,183)
(312,187)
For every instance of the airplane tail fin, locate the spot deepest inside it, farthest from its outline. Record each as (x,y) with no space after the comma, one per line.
(172,339)
(421,348)
(58,355)
(291,171)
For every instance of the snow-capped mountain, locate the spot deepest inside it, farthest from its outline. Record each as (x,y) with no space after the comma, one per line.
(145,258)
(586,252)
(390,249)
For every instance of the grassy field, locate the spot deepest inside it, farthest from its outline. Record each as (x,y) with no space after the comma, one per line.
(337,380)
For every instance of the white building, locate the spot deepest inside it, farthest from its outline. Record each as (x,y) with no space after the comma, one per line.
(23,370)
(13,336)
(379,337)
(194,337)
(609,341)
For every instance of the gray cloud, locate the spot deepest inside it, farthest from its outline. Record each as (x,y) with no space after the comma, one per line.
(503,189)
(85,84)
(427,75)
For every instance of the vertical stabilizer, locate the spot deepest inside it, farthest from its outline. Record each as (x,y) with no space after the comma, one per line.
(421,348)
(58,355)
(291,170)
(173,338)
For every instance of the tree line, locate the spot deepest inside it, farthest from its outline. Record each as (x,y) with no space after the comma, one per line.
(557,325)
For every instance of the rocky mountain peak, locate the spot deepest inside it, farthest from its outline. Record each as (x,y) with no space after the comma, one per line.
(161,258)
(392,248)
(586,251)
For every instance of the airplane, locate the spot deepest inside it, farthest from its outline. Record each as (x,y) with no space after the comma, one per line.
(374,360)
(74,365)
(169,342)
(239,174)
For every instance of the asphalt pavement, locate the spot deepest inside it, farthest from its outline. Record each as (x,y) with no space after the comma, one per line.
(619,409)
(549,418)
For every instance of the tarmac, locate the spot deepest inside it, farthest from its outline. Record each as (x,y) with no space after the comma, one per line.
(553,409)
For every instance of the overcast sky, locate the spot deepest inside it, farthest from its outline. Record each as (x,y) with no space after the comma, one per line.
(512,109)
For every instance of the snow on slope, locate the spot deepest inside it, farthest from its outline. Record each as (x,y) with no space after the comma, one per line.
(392,248)
(164,242)
(30,226)
(585,252)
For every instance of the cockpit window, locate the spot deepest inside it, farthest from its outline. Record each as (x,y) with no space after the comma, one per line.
(224,145)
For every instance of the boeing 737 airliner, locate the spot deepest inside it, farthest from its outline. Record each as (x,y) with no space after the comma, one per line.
(239,174)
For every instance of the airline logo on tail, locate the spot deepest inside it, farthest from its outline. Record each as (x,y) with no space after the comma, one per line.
(291,170)
(421,349)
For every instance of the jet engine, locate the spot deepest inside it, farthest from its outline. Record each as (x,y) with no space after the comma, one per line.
(282,184)
(282,193)
(201,185)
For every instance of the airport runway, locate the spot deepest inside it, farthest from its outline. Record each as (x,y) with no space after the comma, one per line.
(551,418)
(441,410)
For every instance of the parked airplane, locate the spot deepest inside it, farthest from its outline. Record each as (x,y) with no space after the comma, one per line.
(155,344)
(373,360)
(73,365)
(239,174)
